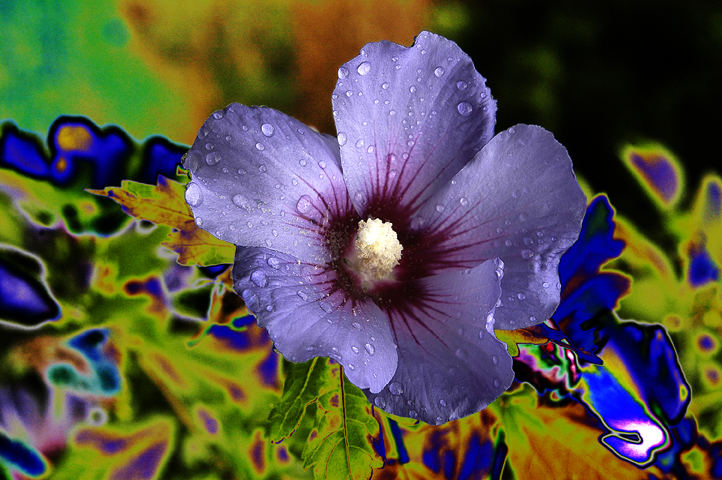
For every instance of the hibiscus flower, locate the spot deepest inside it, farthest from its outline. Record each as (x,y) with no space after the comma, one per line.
(398,246)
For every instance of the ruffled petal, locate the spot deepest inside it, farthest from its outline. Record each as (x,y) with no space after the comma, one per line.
(519,200)
(264,179)
(408,119)
(450,363)
(306,317)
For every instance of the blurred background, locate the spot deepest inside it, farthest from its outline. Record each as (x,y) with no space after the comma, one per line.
(598,75)
(114,348)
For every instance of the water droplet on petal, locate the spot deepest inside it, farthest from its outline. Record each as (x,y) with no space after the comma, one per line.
(342,72)
(249,298)
(304,204)
(302,295)
(260,147)
(526,254)
(412,89)
(464,108)
(363,68)
(267,129)
(520,296)
(461,85)
(463,201)
(396,388)
(413,414)
(356,325)
(545,284)
(350,366)
(442,402)
(199,221)
(342,139)
(328,308)
(370,149)
(385,85)
(218,115)
(354,348)
(274,263)
(259,278)
(193,195)
(495,360)
(439,72)
(496,383)
(379,402)
(213,158)
(369,349)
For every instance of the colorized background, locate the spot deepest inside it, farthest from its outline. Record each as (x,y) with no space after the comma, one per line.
(123,359)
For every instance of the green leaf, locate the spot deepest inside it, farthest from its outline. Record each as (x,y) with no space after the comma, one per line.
(302,387)
(340,443)
(327,420)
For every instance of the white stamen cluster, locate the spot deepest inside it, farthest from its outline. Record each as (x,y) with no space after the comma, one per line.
(378,249)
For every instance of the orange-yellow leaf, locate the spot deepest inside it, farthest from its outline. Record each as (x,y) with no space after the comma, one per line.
(164,204)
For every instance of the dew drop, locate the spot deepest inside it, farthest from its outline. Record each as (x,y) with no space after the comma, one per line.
(526,254)
(193,195)
(545,284)
(379,402)
(238,201)
(326,307)
(464,108)
(341,139)
(342,72)
(439,208)
(304,204)
(356,325)
(385,85)
(442,402)
(396,388)
(273,262)
(412,89)
(359,143)
(302,162)
(249,298)
(302,295)
(354,348)
(363,68)
(369,349)
(260,147)
(439,72)
(495,360)
(463,201)
(218,115)
(496,383)
(413,414)
(267,129)
(213,158)
(199,221)
(461,85)
(370,149)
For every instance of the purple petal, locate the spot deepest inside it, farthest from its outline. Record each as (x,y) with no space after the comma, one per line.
(409,119)
(264,179)
(307,317)
(450,363)
(519,201)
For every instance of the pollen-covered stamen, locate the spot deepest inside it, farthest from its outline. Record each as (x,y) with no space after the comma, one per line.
(376,251)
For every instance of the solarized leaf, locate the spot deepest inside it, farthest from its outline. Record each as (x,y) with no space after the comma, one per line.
(164,204)
(328,418)
(340,443)
(558,442)
(302,387)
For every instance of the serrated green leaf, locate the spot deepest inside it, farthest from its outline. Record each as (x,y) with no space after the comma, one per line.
(164,204)
(302,387)
(340,443)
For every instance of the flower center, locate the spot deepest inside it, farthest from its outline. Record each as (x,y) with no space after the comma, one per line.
(377,251)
